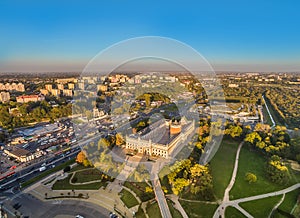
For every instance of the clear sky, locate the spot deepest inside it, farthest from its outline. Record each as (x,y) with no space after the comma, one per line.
(232,35)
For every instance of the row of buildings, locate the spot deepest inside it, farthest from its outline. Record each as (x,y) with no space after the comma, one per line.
(5,97)
(62,89)
(12,87)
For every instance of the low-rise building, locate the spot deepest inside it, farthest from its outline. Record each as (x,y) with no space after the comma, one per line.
(20,154)
(29,98)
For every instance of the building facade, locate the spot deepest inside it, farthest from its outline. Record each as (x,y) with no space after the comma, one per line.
(162,148)
(4,97)
(29,98)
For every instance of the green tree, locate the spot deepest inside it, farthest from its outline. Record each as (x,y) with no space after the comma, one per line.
(234,131)
(250,178)
(277,172)
(119,139)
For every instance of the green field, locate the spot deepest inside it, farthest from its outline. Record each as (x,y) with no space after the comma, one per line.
(64,184)
(289,201)
(88,175)
(174,212)
(262,207)
(232,212)
(222,166)
(267,118)
(271,109)
(79,167)
(128,199)
(139,189)
(198,209)
(140,213)
(254,162)
(153,210)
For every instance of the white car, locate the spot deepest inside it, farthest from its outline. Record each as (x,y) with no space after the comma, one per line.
(79,216)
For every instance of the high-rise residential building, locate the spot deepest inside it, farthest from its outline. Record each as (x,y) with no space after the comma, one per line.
(81,85)
(67,92)
(2,86)
(60,86)
(102,88)
(55,92)
(71,85)
(20,87)
(44,91)
(12,87)
(48,87)
(4,97)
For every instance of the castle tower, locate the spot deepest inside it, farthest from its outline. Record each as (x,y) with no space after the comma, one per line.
(175,127)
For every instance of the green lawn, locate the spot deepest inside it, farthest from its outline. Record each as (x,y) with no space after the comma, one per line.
(128,199)
(140,213)
(139,189)
(272,111)
(254,162)
(289,201)
(79,167)
(198,209)
(267,116)
(65,185)
(47,173)
(174,212)
(232,212)
(153,210)
(262,207)
(222,166)
(88,175)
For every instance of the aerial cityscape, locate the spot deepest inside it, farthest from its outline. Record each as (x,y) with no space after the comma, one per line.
(111,121)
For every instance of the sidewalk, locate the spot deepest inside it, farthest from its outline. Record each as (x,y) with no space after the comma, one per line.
(109,200)
(177,205)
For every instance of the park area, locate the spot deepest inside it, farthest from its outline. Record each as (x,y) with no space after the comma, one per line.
(254,162)
(82,179)
(198,209)
(222,166)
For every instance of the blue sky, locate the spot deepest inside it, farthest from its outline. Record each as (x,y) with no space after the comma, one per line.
(65,35)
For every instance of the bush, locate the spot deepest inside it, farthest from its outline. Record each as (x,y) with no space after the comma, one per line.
(74,179)
(67,169)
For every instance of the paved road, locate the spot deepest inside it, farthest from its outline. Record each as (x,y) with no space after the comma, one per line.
(32,207)
(33,171)
(161,200)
